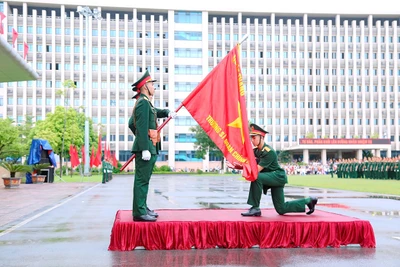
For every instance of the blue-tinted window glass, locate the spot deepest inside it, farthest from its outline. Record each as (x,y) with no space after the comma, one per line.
(188,17)
(188,36)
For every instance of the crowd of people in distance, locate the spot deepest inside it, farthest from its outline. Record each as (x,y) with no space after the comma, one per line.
(369,168)
(312,168)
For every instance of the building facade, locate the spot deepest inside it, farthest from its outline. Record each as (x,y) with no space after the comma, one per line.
(305,74)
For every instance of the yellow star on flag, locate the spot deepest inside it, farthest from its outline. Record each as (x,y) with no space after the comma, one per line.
(238,123)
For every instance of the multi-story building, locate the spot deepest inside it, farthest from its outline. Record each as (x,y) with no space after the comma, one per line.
(331,75)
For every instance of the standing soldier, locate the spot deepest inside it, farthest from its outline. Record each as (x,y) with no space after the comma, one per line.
(339,168)
(331,164)
(143,124)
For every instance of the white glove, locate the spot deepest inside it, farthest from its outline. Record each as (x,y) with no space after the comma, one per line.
(146,155)
(172,114)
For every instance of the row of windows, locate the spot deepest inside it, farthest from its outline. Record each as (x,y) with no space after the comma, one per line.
(95,32)
(319,88)
(310,38)
(303,121)
(188,70)
(294,137)
(228,37)
(310,55)
(261,104)
(188,17)
(189,86)
(185,87)
(188,52)
(197,53)
(350,105)
(58,102)
(317,71)
(95,50)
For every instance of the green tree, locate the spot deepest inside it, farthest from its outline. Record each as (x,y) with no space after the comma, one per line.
(310,135)
(284,156)
(375,135)
(204,144)
(11,145)
(52,129)
(69,87)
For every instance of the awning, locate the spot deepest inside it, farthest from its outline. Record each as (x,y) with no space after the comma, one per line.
(13,67)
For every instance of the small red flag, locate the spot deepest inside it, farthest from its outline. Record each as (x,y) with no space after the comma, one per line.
(92,158)
(26,49)
(2,16)
(109,154)
(98,154)
(83,153)
(223,116)
(14,36)
(73,154)
(114,160)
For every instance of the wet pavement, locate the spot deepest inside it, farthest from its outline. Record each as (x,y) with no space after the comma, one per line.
(70,224)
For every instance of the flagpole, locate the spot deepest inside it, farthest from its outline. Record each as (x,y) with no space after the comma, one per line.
(169,118)
(243,39)
(158,130)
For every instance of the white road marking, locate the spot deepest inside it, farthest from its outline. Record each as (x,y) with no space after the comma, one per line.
(396,237)
(44,212)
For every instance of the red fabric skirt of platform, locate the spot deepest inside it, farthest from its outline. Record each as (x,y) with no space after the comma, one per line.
(226,228)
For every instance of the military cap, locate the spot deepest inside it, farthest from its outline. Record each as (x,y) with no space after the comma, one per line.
(142,81)
(257,130)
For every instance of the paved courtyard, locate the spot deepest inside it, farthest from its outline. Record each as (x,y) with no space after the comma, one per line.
(66,224)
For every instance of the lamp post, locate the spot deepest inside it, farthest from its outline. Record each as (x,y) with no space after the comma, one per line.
(86,12)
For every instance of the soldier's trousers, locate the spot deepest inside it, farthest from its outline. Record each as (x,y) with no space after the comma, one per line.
(143,172)
(276,182)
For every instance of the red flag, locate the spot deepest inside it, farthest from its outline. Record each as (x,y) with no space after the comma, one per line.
(109,154)
(2,16)
(98,154)
(223,116)
(114,160)
(83,154)
(92,158)
(73,156)
(14,36)
(26,49)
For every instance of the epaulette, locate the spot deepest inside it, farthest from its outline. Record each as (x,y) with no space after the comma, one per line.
(266,149)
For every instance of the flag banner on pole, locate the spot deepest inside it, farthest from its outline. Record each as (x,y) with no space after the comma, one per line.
(73,154)
(114,160)
(26,49)
(14,36)
(2,16)
(92,158)
(218,104)
(83,154)
(98,154)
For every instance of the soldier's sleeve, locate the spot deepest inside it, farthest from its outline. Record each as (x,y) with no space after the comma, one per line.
(267,157)
(162,113)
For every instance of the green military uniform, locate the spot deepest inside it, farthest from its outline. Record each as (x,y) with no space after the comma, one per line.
(272,177)
(144,117)
(331,168)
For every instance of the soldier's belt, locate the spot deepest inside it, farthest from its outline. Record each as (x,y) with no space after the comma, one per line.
(154,136)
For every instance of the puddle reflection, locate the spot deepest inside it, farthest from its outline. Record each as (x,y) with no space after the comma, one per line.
(234,257)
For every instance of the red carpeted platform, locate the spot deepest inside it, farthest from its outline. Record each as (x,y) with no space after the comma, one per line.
(226,228)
